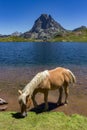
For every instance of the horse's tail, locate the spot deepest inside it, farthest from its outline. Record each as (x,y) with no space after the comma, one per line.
(72,77)
(69,77)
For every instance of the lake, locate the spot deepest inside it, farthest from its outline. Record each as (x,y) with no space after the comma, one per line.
(32,54)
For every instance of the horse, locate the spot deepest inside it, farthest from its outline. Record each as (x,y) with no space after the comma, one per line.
(58,78)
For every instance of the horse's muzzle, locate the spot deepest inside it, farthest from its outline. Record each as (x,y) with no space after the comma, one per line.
(24,114)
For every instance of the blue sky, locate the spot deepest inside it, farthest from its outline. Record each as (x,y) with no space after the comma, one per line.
(19,15)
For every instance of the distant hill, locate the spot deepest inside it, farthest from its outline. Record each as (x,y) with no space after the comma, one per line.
(79,29)
(77,35)
(16,33)
(45,27)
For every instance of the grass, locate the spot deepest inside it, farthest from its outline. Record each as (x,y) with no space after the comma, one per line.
(72,37)
(43,121)
(17,39)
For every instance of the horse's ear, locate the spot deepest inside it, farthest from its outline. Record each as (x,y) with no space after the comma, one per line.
(20,92)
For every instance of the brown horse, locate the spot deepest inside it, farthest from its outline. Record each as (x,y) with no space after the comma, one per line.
(58,78)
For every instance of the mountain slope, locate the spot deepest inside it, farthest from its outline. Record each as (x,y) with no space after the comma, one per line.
(77,35)
(45,27)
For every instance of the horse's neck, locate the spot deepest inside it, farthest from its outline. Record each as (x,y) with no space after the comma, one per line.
(30,87)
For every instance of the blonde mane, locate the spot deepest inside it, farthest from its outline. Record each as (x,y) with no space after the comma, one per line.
(30,87)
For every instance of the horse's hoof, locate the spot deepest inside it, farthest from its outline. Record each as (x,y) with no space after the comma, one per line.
(65,104)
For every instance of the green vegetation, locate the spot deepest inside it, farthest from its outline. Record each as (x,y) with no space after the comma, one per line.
(43,121)
(17,39)
(75,36)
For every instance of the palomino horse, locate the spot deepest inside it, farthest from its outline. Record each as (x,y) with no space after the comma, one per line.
(58,78)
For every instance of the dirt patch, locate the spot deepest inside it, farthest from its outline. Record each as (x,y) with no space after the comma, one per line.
(14,78)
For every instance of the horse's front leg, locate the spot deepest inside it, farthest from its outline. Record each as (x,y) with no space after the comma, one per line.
(46,100)
(34,101)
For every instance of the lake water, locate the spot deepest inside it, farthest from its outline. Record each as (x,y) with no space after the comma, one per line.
(34,54)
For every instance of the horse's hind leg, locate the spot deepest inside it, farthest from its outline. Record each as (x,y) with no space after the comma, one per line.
(59,102)
(66,88)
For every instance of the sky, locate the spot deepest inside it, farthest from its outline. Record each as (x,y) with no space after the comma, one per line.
(19,15)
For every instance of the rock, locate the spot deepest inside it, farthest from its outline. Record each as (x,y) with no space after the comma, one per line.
(45,27)
(3,108)
(2,101)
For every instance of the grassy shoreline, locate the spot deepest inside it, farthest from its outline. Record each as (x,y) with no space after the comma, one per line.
(68,37)
(43,121)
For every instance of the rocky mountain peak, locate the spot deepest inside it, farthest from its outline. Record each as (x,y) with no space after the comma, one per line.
(44,27)
(45,22)
(44,16)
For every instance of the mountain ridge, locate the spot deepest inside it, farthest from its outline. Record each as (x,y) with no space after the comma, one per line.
(44,27)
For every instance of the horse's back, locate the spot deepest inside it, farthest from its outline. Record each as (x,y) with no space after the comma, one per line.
(60,76)
(56,76)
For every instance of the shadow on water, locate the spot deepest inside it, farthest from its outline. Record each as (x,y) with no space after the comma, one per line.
(38,110)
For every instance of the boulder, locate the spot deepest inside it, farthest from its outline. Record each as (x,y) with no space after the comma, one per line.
(2,101)
(3,108)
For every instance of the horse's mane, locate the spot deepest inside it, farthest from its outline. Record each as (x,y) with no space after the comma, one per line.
(30,87)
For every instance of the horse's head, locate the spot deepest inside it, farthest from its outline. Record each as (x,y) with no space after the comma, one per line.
(25,102)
